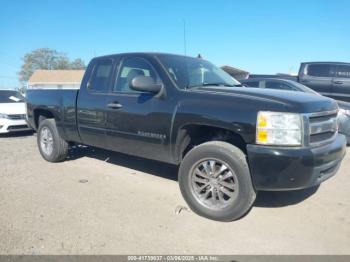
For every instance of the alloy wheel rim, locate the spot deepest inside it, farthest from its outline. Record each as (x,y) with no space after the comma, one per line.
(46,141)
(214,184)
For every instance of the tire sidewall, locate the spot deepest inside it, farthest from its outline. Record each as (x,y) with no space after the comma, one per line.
(50,124)
(234,159)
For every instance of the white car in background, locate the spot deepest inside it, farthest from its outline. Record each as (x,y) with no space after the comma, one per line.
(12,112)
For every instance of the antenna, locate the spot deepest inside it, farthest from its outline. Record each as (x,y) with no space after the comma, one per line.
(184,27)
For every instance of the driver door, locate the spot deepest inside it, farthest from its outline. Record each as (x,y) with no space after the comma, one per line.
(135,122)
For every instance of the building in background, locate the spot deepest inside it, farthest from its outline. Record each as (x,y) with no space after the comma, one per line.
(56,79)
(235,72)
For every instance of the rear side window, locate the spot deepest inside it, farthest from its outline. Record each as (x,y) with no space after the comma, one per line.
(252,84)
(101,75)
(343,71)
(321,70)
(278,85)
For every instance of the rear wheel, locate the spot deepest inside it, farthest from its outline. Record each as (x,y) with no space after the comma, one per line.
(51,146)
(215,181)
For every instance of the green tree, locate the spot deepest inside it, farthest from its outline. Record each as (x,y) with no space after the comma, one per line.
(77,64)
(61,62)
(45,58)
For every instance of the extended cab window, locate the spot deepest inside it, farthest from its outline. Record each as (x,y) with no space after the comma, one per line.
(321,70)
(343,71)
(132,67)
(278,85)
(100,76)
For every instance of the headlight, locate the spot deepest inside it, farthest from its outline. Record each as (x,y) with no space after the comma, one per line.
(344,111)
(282,129)
(3,116)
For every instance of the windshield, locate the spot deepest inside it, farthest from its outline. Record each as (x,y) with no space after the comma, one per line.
(9,96)
(304,88)
(190,72)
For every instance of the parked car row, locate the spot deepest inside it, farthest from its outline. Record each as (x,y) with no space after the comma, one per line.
(330,79)
(229,141)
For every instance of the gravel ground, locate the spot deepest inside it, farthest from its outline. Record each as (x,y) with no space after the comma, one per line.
(99,202)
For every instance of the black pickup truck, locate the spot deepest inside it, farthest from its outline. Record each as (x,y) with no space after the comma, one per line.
(228,141)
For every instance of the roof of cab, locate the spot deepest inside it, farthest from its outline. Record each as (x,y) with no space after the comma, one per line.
(140,53)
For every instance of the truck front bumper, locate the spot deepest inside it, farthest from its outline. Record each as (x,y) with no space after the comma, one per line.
(281,168)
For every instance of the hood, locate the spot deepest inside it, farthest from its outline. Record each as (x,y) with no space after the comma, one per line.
(12,108)
(290,101)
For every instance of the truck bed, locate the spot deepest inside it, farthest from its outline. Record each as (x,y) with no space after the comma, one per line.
(61,104)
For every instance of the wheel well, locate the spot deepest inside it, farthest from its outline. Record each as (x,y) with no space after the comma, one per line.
(41,114)
(193,135)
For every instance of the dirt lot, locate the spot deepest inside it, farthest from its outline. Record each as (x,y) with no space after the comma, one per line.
(101,202)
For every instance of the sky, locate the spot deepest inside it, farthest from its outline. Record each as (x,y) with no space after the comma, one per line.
(262,37)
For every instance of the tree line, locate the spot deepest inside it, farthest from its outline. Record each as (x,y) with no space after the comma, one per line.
(46,58)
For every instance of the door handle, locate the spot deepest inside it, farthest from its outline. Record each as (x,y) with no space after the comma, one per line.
(338,82)
(304,81)
(114,105)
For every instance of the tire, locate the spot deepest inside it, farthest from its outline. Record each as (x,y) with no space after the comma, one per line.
(51,146)
(233,184)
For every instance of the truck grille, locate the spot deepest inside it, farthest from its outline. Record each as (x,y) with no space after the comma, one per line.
(323,126)
(16,117)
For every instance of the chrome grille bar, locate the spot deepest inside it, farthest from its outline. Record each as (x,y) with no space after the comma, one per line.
(320,127)
(324,126)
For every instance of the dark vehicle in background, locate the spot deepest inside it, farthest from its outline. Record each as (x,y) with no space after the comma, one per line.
(228,141)
(330,79)
(289,85)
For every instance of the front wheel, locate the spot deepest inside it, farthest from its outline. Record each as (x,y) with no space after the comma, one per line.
(215,181)
(51,146)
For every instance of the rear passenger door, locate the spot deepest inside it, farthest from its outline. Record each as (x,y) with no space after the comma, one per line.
(91,104)
(341,83)
(319,77)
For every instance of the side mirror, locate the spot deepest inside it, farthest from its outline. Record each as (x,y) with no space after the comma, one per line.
(145,84)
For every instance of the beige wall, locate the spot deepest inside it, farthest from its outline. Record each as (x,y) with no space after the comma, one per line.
(53,86)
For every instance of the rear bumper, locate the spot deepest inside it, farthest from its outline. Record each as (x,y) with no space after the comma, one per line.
(280,168)
(9,126)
